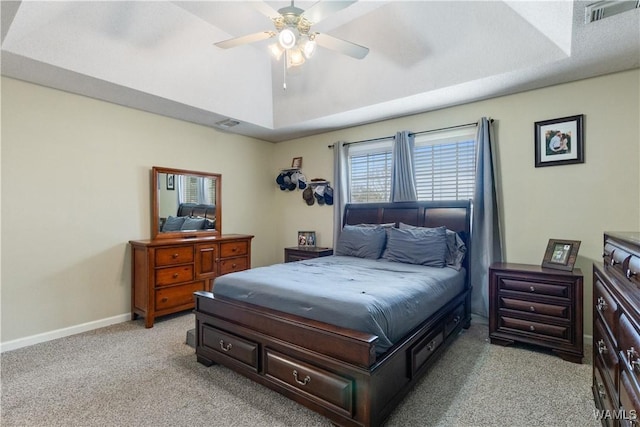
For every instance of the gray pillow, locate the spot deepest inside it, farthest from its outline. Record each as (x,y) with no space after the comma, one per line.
(423,246)
(456,249)
(361,242)
(173,223)
(193,223)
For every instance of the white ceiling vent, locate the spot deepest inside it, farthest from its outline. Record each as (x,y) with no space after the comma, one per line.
(605,9)
(226,123)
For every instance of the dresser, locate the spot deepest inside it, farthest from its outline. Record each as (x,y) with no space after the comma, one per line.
(616,330)
(166,272)
(298,253)
(538,306)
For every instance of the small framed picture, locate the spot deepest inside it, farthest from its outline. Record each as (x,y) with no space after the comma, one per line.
(561,254)
(296,162)
(306,238)
(171,184)
(559,141)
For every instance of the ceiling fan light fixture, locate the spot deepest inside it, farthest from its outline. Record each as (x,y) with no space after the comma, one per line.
(276,50)
(287,38)
(309,48)
(295,58)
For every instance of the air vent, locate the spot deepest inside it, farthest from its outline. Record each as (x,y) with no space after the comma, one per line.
(227,123)
(605,9)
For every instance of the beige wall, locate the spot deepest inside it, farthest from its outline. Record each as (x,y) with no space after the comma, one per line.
(75,188)
(576,202)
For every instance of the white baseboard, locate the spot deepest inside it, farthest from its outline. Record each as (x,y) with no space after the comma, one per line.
(588,339)
(64,332)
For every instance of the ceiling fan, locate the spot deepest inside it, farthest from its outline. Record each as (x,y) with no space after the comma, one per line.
(296,40)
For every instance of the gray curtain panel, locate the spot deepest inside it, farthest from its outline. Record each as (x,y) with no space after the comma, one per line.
(486,241)
(403,180)
(340,186)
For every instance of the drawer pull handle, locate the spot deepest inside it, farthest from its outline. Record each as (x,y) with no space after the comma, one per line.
(602,347)
(174,256)
(175,275)
(630,273)
(631,352)
(456,320)
(601,305)
(614,262)
(225,347)
(431,345)
(306,380)
(601,390)
(532,309)
(234,249)
(532,289)
(234,265)
(165,299)
(532,328)
(635,364)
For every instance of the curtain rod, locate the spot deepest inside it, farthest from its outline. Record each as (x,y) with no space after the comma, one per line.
(413,133)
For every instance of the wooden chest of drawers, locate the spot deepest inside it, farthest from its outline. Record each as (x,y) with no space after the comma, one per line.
(166,272)
(537,306)
(616,330)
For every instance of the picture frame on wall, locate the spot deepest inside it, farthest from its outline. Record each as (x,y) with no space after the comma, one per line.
(296,163)
(171,183)
(561,254)
(306,239)
(559,141)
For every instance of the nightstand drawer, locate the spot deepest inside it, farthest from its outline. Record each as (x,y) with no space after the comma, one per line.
(559,311)
(533,288)
(537,328)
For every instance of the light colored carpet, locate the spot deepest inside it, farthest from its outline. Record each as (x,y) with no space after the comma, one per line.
(126,375)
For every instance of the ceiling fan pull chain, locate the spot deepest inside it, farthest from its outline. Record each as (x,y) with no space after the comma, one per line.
(284,71)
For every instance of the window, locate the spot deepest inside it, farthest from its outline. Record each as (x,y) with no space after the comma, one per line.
(370,172)
(199,190)
(444,165)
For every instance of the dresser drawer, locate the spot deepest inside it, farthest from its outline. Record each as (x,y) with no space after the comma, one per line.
(559,311)
(629,344)
(174,255)
(536,328)
(534,288)
(629,400)
(172,275)
(603,395)
(633,270)
(233,264)
(606,352)
(239,349)
(175,296)
(605,305)
(230,249)
(317,383)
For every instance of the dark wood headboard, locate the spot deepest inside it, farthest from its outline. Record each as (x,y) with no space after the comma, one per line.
(455,215)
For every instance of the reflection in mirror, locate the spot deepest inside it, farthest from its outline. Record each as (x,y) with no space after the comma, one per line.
(185,203)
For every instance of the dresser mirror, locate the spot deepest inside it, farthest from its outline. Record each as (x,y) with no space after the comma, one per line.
(185,203)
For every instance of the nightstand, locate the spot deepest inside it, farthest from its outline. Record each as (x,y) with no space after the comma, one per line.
(298,253)
(538,306)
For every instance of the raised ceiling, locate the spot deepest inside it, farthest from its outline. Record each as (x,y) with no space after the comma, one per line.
(160,57)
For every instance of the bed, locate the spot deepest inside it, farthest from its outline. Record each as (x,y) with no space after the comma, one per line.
(355,376)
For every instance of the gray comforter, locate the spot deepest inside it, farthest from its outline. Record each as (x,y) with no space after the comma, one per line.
(384,298)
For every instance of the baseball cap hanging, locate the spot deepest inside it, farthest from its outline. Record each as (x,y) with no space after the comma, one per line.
(307,195)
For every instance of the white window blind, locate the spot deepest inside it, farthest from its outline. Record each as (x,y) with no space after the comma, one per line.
(370,172)
(445,164)
(199,190)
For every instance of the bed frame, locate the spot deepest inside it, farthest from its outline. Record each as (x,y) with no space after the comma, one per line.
(332,370)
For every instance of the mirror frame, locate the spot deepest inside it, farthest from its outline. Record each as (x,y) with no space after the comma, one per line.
(155,205)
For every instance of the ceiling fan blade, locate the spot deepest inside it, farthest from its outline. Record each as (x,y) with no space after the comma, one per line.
(351,49)
(265,9)
(322,9)
(250,38)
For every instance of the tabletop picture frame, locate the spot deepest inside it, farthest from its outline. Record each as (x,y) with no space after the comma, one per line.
(561,254)
(306,239)
(559,141)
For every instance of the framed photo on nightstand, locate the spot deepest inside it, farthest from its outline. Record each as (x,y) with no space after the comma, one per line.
(561,254)
(306,238)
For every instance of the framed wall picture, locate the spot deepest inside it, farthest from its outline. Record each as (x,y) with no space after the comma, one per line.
(559,141)
(306,238)
(171,184)
(561,254)
(296,163)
